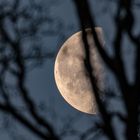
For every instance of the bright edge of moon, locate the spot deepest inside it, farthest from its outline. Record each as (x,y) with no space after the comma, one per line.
(71,76)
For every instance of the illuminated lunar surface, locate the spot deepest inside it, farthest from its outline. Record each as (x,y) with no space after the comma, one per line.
(71,76)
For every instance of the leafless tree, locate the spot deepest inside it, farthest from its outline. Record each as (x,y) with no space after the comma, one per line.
(21,28)
(124,24)
(21,23)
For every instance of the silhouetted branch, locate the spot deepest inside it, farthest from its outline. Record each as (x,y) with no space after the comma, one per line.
(14,45)
(83,7)
(115,64)
(9,109)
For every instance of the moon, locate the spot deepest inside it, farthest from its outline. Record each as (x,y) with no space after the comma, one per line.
(70,73)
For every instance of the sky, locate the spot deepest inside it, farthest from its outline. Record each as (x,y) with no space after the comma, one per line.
(40,80)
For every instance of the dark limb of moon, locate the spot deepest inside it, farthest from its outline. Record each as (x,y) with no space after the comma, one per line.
(70,73)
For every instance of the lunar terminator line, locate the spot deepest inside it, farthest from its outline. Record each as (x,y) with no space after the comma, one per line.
(70,73)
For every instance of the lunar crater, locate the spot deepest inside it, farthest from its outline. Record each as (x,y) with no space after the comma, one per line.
(70,73)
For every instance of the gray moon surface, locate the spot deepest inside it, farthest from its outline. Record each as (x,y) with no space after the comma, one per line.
(71,76)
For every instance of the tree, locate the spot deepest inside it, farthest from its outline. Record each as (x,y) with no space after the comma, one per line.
(129,91)
(21,29)
(21,25)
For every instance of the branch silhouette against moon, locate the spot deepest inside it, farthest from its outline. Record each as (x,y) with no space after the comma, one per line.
(71,76)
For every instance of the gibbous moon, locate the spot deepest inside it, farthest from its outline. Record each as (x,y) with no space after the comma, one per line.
(70,73)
